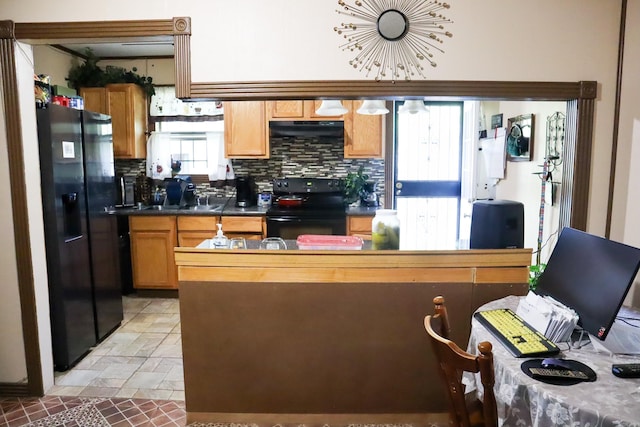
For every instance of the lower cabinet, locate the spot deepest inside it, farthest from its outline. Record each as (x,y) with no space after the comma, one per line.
(192,230)
(152,241)
(153,238)
(359,226)
(249,227)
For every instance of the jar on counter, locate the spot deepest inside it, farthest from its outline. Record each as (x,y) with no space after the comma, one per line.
(385,230)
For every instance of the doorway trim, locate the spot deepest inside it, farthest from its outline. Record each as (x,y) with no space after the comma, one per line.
(46,33)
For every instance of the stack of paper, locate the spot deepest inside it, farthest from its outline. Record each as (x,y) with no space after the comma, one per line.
(549,317)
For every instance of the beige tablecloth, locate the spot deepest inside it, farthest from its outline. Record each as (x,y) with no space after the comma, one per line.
(523,401)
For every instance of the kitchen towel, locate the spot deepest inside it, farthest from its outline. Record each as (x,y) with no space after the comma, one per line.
(221,168)
(159,155)
(493,152)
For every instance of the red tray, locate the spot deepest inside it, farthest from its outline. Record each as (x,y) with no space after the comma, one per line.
(324,242)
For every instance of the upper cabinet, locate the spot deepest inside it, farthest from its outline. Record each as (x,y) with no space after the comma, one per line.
(95,99)
(128,110)
(246,127)
(126,103)
(296,110)
(246,130)
(363,134)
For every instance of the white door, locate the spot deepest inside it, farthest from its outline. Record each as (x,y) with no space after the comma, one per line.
(428,175)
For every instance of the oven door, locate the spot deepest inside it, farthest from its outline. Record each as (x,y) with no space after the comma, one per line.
(290,227)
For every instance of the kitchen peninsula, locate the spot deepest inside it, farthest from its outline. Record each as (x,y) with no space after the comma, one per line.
(283,336)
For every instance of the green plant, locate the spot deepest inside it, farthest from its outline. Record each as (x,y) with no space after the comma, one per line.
(90,74)
(353,185)
(535,271)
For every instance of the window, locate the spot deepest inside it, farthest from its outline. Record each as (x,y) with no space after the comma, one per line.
(188,143)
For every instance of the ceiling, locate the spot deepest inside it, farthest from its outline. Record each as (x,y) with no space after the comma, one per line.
(123,49)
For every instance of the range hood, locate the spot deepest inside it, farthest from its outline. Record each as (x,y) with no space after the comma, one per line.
(307,129)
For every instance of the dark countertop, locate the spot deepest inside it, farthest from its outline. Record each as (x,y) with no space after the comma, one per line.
(219,207)
(362,211)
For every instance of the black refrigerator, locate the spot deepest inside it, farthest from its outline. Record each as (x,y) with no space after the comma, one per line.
(81,230)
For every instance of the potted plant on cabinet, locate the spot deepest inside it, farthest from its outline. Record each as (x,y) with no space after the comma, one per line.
(90,74)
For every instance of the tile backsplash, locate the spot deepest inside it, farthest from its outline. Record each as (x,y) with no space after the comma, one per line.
(290,157)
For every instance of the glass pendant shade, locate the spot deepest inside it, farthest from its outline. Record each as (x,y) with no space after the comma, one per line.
(373,107)
(413,106)
(331,108)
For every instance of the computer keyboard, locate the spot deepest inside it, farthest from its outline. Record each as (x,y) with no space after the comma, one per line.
(515,334)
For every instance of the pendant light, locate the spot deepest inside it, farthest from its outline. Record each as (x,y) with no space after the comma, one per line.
(373,107)
(331,107)
(413,106)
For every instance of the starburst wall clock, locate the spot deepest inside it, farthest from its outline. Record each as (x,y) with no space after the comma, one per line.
(393,39)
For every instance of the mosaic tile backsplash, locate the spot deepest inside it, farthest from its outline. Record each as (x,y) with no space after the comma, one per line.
(289,158)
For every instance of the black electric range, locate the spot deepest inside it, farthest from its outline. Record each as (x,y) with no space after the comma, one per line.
(321,209)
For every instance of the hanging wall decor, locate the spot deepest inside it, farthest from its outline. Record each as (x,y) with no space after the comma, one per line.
(555,138)
(393,39)
(520,132)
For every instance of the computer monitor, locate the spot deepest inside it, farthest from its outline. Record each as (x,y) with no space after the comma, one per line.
(591,275)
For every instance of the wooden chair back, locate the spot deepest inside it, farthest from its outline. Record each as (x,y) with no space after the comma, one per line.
(465,411)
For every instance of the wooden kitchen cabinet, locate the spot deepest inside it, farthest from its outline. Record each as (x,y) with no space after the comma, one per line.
(246,127)
(126,103)
(153,239)
(246,130)
(359,226)
(363,134)
(249,227)
(192,230)
(95,99)
(297,110)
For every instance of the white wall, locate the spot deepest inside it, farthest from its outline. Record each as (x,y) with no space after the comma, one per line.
(161,70)
(52,62)
(521,181)
(12,364)
(632,227)
(25,71)
(626,214)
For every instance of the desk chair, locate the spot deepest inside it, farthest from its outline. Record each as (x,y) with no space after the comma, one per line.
(464,411)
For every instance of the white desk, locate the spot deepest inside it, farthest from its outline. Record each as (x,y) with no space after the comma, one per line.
(523,401)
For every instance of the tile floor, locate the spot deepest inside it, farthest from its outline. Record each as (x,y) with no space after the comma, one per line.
(53,411)
(133,378)
(141,359)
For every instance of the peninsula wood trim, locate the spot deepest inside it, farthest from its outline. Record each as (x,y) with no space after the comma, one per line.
(327,275)
(291,259)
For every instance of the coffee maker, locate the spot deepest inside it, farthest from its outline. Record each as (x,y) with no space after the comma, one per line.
(246,194)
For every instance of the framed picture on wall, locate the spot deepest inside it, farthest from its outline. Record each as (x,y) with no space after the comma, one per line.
(496,121)
(520,133)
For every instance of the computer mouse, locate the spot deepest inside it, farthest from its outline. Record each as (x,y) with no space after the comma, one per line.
(553,363)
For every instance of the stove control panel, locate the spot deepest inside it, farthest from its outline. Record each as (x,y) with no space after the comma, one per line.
(307,185)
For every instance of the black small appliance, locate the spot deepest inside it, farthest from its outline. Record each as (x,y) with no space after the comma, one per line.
(126,190)
(180,191)
(497,224)
(246,194)
(368,195)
